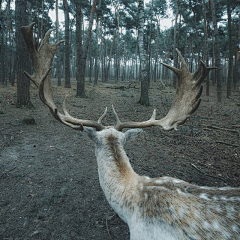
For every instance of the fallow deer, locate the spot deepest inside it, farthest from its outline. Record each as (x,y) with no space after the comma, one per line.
(161,208)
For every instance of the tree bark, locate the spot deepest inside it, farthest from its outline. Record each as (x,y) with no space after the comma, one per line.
(230,61)
(237,57)
(80,84)
(82,65)
(58,70)
(217,53)
(2,63)
(144,63)
(23,63)
(205,49)
(110,56)
(67,45)
(42,19)
(9,36)
(175,57)
(97,49)
(156,53)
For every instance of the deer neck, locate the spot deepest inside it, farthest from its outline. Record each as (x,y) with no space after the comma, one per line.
(116,176)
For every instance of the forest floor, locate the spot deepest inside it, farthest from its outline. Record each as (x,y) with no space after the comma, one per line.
(49,186)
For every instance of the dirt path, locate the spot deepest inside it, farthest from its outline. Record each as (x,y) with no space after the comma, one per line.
(49,186)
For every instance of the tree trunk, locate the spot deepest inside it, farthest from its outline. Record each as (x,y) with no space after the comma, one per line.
(80,83)
(110,56)
(125,62)
(101,48)
(117,60)
(156,53)
(237,57)
(8,40)
(205,49)
(144,66)
(217,53)
(58,70)
(149,53)
(82,65)
(175,57)
(42,20)
(23,64)
(136,54)
(90,64)
(67,45)
(1,48)
(10,48)
(2,64)
(230,62)
(97,49)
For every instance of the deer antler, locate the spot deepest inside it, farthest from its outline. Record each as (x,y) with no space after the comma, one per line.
(42,58)
(186,101)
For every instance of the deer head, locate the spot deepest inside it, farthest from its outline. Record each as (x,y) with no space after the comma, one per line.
(154,208)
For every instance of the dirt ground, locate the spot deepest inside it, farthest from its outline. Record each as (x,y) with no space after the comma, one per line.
(49,186)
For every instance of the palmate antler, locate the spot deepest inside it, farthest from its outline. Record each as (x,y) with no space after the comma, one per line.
(42,58)
(186,101)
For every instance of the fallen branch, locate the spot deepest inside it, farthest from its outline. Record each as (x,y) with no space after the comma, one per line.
(118,87)
(198,169)
(7,171)
(228,144)
(193,165)
(124,87)
(236,126)
(223,129)
(108,230)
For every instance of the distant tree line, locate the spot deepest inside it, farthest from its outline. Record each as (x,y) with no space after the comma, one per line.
(111,41)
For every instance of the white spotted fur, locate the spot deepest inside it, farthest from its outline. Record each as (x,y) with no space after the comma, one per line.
(163,208)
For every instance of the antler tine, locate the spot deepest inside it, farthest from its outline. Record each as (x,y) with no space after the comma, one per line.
(103,116)
(116,116)
(176,70)
(205,72)
(151,122)
(42,61)
(65,118)
(65,111)
(197,71)
(184,64)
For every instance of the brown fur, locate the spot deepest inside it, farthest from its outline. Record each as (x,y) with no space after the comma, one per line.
(119,158)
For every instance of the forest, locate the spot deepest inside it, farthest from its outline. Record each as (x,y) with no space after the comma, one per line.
(101,41)
(125,53)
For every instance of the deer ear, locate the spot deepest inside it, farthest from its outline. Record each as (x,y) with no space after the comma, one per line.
(132,133)
(89,132)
